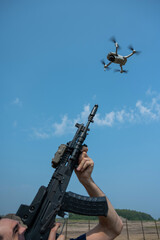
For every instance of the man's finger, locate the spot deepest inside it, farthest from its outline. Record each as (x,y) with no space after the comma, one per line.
(86,165)
(82,156)
(52,235)
(81,164)
(84,149)
(61,237)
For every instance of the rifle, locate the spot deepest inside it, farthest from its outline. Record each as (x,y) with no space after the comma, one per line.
(53,200)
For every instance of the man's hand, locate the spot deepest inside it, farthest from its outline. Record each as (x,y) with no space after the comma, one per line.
(85,167)
(52,235)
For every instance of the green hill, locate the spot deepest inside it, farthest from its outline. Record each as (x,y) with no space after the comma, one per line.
(81,217)
(125,213)
(134,215)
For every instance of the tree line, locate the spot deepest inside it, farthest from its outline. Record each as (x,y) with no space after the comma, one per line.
(134,215)
(125,213)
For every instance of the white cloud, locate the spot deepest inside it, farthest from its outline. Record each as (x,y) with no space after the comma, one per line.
(68,125)
(120,115)
(150,92)
(17,102)
(108,120)
(40,134)
(146,111)
(143,110)
(94,97)
(84,114)
(65,126)
(140,113)
(15,124)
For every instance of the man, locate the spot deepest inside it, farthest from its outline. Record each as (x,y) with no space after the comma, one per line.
(11,229)
(108,227)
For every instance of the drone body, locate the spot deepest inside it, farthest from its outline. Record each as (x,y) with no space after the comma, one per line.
(114,57)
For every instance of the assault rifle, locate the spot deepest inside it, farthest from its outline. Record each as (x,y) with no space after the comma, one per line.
(53,200)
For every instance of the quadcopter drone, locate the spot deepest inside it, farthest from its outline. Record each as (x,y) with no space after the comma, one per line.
(114,57)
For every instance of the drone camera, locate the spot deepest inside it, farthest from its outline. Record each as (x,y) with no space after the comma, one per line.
(111,58)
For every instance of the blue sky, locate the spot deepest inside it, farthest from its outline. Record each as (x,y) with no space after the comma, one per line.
(51,76)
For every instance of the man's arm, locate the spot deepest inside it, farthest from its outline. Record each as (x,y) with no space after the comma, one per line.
(109,227)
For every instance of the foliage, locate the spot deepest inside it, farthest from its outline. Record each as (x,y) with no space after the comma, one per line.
(125,213)
(134,215)
(81,217)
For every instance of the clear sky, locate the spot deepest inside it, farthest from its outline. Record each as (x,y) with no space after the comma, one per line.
(51,76)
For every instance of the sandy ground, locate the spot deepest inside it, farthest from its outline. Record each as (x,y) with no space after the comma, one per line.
(132,230)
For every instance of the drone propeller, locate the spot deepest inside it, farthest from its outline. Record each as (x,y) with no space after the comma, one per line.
(103,62)
(132,49)
(112,39)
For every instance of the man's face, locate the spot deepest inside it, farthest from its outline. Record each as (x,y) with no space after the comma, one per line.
(11,229)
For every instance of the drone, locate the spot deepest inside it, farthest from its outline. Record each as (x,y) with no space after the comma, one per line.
(114,57)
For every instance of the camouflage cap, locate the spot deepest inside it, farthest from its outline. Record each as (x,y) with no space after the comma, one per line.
(14,217)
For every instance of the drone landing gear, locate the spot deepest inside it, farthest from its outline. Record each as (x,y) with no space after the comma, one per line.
(121,71)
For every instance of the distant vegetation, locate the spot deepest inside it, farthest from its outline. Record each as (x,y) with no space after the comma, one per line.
(125,213)
(134,215)
(81,217)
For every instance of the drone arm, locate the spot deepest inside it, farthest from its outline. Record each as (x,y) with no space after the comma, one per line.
(130,54)
(116,44)
(105,66)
